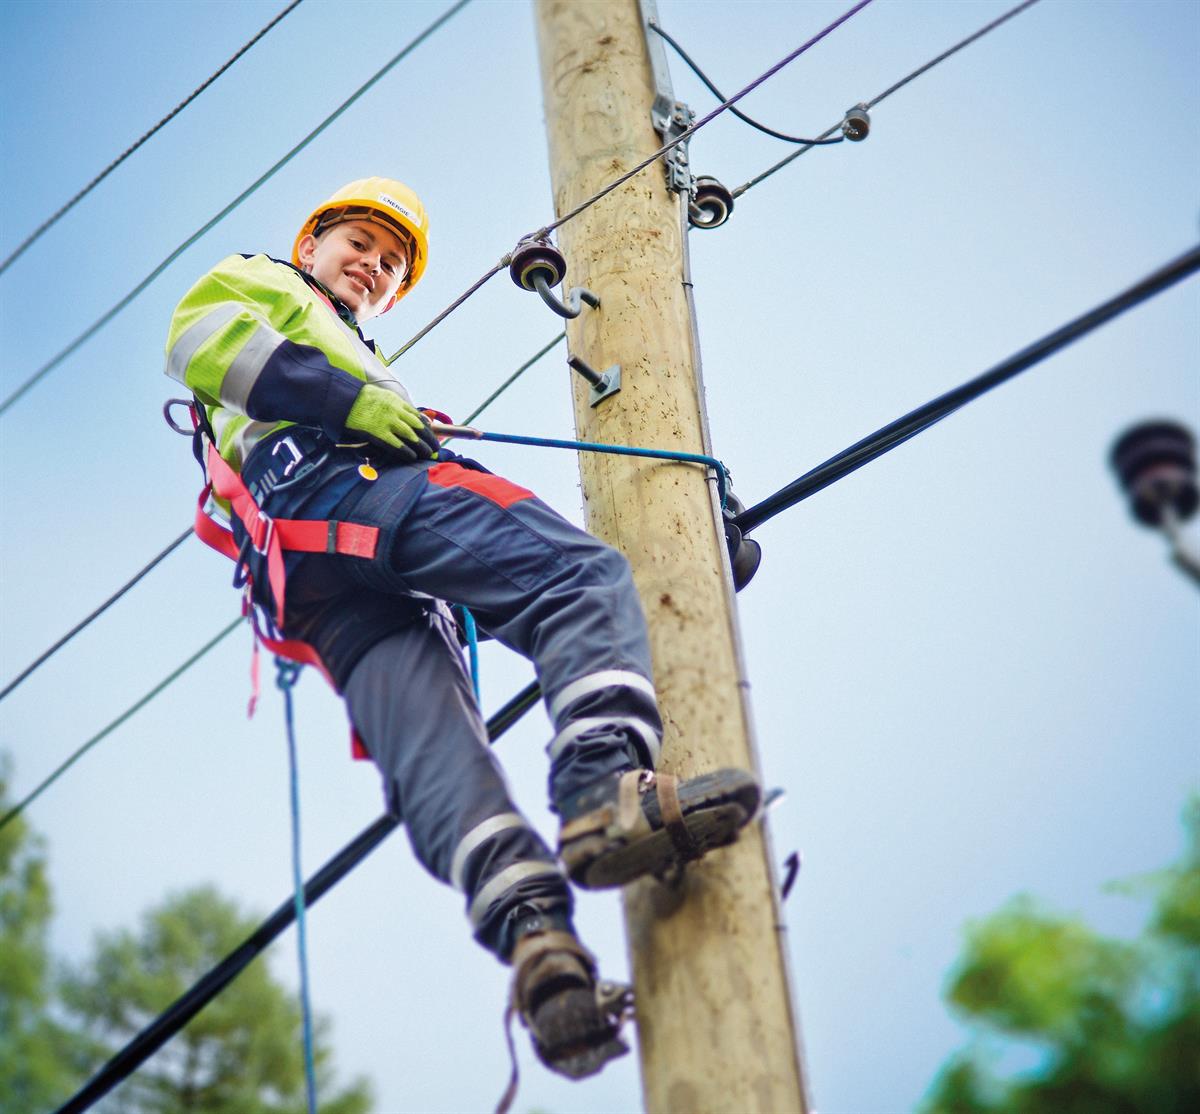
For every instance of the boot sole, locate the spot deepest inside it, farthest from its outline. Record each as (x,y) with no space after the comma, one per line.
(573,1037)
(715,808)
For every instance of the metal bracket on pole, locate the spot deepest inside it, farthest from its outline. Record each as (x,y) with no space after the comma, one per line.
(603,383)
(669,116)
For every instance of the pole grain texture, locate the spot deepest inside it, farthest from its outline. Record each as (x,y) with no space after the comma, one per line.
(716,1026)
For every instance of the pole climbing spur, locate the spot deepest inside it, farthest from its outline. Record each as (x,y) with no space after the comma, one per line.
(536,264)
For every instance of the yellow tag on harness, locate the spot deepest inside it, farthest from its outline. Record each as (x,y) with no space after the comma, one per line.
(367,472)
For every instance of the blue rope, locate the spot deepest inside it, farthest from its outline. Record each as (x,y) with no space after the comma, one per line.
(472,649)
(286,679)
(616,450)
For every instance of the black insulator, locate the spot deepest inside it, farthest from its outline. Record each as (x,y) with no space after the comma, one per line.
(530,257)
(857,124)
(745,554)
(1155,463)
(712,204)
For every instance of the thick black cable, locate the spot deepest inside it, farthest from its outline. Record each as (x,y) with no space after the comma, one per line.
(890,90)
(184,1008)
(899,431)
(721,96)
(20,807)
(683,136)
(130,150)
(42,658)
(106,317)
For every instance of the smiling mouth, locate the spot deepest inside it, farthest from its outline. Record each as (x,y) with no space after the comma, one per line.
(360,282)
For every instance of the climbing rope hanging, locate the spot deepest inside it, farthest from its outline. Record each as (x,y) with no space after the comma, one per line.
(288,673)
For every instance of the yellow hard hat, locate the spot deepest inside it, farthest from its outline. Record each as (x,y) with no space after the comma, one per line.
(384,201)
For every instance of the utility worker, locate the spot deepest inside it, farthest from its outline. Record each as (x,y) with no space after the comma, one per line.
(299,404)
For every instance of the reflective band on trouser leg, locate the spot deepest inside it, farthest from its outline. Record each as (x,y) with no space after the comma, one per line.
(478,836)
(509,877)
(594,682)
(646,735)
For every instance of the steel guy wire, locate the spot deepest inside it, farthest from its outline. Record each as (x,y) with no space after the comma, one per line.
(721,96)
(172,546)
(106,317)
(4,265)
(889,91)
(903,428)
(94,615)
(17,809)
(681,138)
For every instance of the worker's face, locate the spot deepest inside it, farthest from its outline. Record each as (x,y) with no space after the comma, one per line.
(363,263)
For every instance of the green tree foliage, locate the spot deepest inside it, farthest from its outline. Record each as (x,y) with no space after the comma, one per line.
(1114,1025)
(241,1055)
(33,1049)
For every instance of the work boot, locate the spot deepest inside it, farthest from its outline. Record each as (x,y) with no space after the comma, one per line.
(641,822)
(572,1017)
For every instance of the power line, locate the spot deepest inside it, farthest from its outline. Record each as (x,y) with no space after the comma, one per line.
(130,150)
(897,432)
(105,318)
(721,96)
(17,809)
(173,545)
(509,381)
(890,90)
(683,136)
(95,614)
(184,1008)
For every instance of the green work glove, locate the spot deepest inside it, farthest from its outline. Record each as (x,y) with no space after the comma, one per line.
(392,424)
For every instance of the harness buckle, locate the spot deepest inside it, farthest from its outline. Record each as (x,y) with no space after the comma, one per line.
(262,532)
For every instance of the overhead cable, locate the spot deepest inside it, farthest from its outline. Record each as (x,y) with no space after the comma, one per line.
(897,432)
(106,317)
(683,136)
(42,658)
(889,91)
(721,96)
(20,807)
(190,1003)
(133,147)
(512,379)
(177,542)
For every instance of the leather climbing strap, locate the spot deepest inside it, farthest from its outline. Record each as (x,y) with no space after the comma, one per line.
(672,815)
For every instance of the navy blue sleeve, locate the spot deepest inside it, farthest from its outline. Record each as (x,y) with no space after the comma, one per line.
(299,384)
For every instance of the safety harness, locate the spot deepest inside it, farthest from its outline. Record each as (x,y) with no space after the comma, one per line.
(269,538)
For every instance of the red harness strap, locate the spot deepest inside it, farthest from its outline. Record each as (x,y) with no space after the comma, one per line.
(270,537)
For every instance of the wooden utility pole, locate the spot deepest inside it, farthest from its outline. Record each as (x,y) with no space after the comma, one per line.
(716,1026)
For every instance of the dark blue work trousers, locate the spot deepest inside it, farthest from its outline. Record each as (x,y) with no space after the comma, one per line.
(455,533)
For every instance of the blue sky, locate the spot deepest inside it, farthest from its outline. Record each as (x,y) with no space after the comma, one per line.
(972,673)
